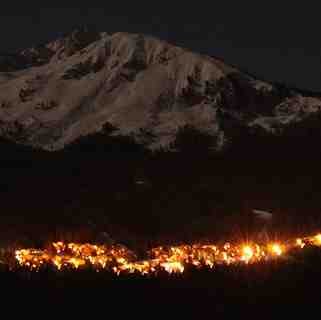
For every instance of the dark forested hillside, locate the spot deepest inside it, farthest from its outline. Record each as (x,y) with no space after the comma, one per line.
(105,182)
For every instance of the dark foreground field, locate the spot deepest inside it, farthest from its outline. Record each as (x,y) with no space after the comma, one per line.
(289,286)
(114,185)
(135,195)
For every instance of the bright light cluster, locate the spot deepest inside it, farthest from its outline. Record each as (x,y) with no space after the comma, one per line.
(171,259)
(73,255)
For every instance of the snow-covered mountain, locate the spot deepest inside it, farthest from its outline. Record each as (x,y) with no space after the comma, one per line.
(52,94)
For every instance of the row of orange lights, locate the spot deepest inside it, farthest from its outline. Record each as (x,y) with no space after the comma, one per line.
(171,259)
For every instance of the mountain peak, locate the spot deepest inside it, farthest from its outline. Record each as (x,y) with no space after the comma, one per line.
(57,49)
(74,41)
(145,87)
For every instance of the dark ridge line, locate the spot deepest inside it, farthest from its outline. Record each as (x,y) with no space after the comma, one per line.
(244,70)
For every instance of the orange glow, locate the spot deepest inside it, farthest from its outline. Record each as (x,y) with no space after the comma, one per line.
(300,243)
(247,253)
(172,259)
(317,239)
(276,249)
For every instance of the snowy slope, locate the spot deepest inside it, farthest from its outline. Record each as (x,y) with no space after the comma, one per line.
(52,94)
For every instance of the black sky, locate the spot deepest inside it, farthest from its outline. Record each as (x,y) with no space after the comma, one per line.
(276,41)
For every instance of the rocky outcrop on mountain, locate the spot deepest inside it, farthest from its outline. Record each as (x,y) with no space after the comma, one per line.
(53,94)
(45,53)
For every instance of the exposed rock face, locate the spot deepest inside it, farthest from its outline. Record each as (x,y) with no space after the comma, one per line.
(52,94)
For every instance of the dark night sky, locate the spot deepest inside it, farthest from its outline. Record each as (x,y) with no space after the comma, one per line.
(273,40)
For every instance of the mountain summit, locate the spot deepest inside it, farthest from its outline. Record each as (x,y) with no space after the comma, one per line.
(53,94)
